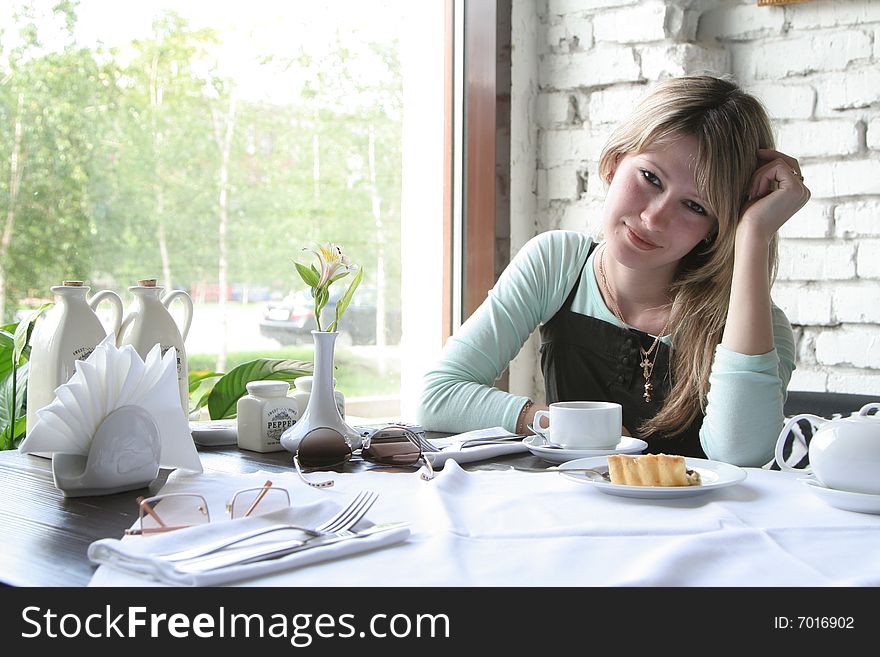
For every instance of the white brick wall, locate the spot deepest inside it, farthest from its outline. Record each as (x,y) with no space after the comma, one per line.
(872,135)
(740,23)
(605,104)
(816,260)
(857,219)
(638,24)
(813,220)
(868,265)
(826,138)
(858,88)
(838,178)
(805,303)
(856,346)
(816,67)
(605,64)
(830,50)
(785,101)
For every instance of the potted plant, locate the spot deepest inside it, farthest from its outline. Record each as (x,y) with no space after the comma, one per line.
(14,356)
(222,396)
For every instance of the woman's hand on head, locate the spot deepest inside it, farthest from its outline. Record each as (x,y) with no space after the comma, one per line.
(776,194)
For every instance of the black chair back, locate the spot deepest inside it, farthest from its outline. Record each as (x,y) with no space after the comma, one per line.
(826,404)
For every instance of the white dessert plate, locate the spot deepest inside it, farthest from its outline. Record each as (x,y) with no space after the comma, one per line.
(844,499)
(536,446)
(714,475)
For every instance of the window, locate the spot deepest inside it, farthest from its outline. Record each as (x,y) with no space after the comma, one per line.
(205,143)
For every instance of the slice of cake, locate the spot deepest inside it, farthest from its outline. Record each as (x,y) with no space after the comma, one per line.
(651,470)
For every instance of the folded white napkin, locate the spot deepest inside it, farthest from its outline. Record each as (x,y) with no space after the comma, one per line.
(451,449)
(138,554)
(107,380)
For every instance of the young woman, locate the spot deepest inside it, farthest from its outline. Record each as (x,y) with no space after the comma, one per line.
(670,315)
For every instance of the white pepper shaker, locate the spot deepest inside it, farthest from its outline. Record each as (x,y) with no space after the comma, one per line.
(264,414)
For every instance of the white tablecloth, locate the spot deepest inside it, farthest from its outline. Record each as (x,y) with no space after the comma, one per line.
(510,528)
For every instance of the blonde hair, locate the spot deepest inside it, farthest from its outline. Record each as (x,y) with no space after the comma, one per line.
(730,126)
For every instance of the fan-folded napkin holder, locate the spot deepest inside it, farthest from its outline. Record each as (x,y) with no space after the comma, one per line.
(124,455)
(115,423)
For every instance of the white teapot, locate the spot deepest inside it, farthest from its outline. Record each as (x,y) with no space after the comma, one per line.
(844,453)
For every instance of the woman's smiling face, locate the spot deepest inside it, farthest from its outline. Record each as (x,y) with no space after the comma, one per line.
(653,215)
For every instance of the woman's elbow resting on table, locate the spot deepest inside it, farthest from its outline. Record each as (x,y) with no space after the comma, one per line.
(440,406)
(429,409)
(742,446)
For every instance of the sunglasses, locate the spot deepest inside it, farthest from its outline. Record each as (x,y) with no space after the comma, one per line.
(394,446)
(165,513)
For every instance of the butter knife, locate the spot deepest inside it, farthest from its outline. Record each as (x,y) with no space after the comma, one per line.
(241,556)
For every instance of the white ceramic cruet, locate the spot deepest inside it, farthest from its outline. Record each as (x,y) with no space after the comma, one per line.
(149,323)
(68,332)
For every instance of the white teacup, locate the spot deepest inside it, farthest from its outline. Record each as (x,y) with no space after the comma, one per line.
(582,424)
(844,453)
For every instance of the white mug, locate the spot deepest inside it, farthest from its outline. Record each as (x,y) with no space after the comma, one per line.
(582,424)
(844,453)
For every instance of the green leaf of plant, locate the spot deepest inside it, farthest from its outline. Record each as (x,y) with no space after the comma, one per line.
(232,386)
(321,297)
(23,332)
(309,275)
(201,401)
(196,377)
(18,431)
(343,302)
(7,347)
(12,410)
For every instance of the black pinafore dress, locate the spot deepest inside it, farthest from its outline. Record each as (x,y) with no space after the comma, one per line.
(584,358)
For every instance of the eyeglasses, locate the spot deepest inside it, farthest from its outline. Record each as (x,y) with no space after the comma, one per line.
(165,513)
(324,447)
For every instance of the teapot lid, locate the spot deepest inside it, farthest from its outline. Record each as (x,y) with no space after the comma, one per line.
(147,282)
(72,283)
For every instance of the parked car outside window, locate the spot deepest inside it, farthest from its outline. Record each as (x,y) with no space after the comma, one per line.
(291,320)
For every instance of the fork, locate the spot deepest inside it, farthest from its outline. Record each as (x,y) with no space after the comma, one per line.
(604,475)
(276,550)
(350,515)
(426,445)
(344,519)
(429,447)
(473,442)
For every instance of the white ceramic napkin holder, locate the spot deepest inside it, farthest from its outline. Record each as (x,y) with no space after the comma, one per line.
(124,455)
(115,423)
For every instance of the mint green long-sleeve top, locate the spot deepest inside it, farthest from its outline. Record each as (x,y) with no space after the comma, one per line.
(746,395)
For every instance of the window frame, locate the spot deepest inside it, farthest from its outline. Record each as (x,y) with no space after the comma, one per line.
(477,220)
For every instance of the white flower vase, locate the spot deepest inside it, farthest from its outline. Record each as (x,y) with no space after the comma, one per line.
(321,410)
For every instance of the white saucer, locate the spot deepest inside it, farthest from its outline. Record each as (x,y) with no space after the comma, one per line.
(844,499)
(212,433)
(627,445)
(714,474)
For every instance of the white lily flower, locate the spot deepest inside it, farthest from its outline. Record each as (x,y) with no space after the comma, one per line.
(333,263)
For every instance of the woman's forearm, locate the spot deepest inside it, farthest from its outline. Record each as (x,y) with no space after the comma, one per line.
(749,327)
